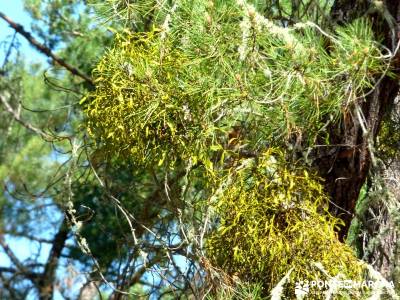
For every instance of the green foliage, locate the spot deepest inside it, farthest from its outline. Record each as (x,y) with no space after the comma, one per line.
(389,136)
(240,291)
(26,162)
(175,92)
(16,169)
(273,218)
(297,11)
(132,13)
(104,227)
(139,108)
(170,98)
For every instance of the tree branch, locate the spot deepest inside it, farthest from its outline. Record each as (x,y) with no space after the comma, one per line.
(32,238)
(45,50)
(17,263)
(11,255)
(17,118)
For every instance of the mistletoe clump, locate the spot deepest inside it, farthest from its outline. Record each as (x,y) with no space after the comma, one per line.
(175,92)
(140,108)
(273,218)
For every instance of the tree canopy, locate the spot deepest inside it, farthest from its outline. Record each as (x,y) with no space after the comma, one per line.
(222,149)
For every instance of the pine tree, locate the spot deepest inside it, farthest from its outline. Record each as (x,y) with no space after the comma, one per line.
(224,87)
(224,150)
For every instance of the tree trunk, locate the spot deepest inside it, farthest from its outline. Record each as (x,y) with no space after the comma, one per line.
(344,164)
(47,279)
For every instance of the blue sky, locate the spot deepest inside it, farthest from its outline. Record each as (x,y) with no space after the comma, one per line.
(14,9)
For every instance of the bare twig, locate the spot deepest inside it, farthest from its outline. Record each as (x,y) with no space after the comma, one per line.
(45,50)
(17,118)
(17,263)
(9,51)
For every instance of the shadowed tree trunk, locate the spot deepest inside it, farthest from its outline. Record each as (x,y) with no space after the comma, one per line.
(345,165)
(47,278)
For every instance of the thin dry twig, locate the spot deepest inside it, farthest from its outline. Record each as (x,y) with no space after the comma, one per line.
(17,118)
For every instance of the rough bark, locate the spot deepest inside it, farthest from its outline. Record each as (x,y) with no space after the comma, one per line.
(345,163)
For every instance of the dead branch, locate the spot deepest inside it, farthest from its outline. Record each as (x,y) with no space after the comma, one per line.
(45,50)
